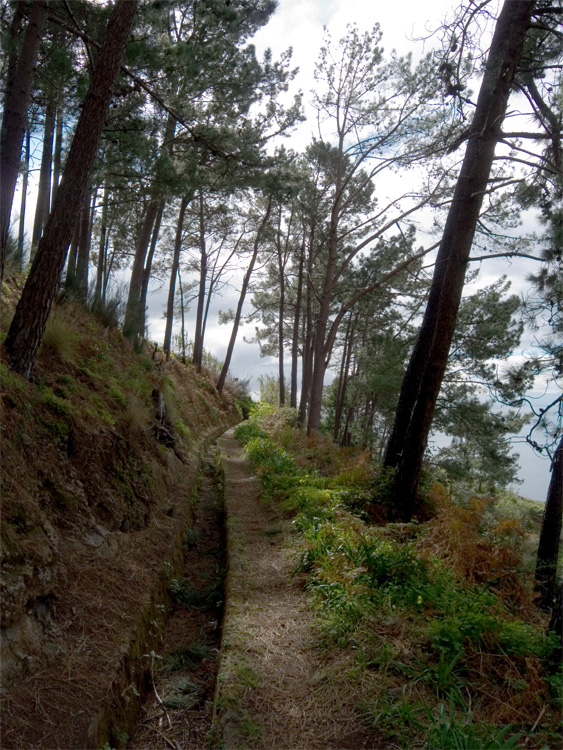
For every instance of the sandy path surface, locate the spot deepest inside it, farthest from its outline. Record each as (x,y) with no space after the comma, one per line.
(275,690)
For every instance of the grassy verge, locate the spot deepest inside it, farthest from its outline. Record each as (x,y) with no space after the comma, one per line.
(435,620)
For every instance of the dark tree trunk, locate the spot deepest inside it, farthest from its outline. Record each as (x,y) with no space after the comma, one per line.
(281,371)
(173,273)
(308,345)
(343,379)
(44,189)
(242,296)
(101,265)
(428,361)
(198,333)
(70,279)
(148,263)
(134,316)
(23,206)
(28,324)
(84,241)
(57,155)
(296,329)
(550,535)
(16,99)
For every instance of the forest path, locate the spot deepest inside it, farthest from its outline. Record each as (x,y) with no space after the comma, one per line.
(275,689)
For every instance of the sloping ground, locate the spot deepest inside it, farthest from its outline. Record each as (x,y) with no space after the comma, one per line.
(274,689)
(97,491)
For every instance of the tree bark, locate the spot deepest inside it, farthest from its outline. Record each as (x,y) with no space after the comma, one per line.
(83,254)
(173,273)
(134,316)
(198,333)
(44,189)
(550,535)
(28,324)
(57,154)
(23,205)
(427,365)
(148,263)
(14,118)
(296,329)
(244,288)
(101,248)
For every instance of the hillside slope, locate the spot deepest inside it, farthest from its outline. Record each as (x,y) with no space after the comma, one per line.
(99,460)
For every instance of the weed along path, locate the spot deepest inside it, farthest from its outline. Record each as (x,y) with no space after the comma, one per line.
(274,689)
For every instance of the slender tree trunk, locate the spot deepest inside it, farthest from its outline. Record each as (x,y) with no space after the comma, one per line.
(308,342)
(148,264)
(84,241)
(57,156)
(321,353)
(281,371)
(198,333)
(173,273)
(343,379)
(44,190)
(102,248)
(428,361)
(296,329)
(550,535)
(23,206)
(244,288)
(28,324)
(134,316)
(70,279)
(19,81)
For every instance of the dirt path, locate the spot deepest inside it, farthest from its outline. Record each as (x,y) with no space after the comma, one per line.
(275,690)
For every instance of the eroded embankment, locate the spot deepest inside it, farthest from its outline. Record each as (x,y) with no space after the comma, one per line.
(178,708)
(107,621)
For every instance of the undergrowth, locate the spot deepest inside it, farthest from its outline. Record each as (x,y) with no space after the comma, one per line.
(437,619)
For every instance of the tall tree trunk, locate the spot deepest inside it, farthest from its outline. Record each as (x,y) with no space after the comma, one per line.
(308,342)
(84,241)
(57,155)
(198,333)
(134,324)
(343,379)
(134,316)
(19,81)
(70,279)
(173,273)
(23,206)
(101,265)
(281,271)
(550,535)
(44,190)
(242,296)
(148,263)
(28,324)
(428,361)
(296,329)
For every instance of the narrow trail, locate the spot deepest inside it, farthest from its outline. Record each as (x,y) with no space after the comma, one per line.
(275,689)
(178,711)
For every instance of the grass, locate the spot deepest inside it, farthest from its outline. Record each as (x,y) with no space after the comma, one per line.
(437,620)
